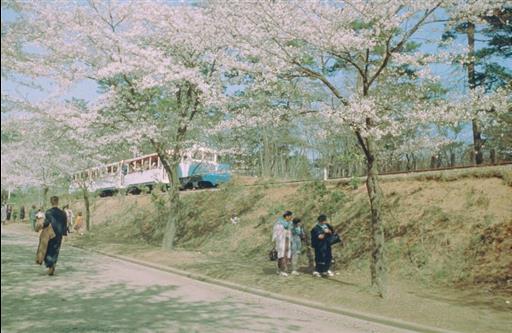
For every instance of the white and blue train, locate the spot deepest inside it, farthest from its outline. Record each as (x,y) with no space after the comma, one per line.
(199,168)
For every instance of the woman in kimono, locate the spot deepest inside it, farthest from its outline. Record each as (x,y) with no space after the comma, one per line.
(320,240)
(58,220)
(297,232)
(281,235)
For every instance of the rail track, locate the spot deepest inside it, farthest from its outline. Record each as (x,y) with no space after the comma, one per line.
(384,174)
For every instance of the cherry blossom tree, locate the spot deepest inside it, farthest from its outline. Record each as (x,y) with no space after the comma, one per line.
(27,160)
(156,65)
(50,141)
(366,44)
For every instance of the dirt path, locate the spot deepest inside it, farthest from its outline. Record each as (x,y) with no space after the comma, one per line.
(92,293)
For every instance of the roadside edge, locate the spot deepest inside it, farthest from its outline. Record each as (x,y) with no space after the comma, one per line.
(263,293)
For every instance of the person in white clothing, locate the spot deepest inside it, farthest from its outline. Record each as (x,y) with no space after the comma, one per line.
(70,217)
(281,235)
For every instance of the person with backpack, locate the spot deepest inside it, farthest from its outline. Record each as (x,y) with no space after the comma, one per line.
(281,235)
(321,241)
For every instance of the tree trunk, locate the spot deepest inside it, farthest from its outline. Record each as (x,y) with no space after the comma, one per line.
(452,159)
(173,219)
(477,126)
(493,156)
(45,196)
(377,265)
(175,207)
(309,253)
(87,203)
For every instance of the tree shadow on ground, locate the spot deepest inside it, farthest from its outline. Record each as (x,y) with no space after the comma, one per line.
(68,302)
(119,308)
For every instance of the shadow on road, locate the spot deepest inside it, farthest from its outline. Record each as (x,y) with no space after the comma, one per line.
(77,299)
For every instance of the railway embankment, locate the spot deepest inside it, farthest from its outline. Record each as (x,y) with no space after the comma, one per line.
(448,242)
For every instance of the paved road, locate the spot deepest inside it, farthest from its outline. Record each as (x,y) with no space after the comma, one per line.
(93,293)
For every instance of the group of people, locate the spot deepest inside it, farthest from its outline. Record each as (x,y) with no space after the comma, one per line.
(73,223)
(288,234)
(9,212)
(35,215)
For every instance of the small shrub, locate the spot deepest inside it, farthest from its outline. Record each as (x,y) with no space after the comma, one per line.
(355,183)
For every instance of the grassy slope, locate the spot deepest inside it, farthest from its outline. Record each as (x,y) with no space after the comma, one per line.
(443,231)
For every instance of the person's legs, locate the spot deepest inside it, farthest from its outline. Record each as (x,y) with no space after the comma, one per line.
(318,262)
(286,261)
(321,260)
(328,259)
(279,265)
(52,254)
(295,262)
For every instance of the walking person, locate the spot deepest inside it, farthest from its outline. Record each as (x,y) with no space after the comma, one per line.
(70,217)
(14,214)
(320,240)
(39,219)
(79,223)
(56,218)
(9,212)
(32,217)
(298,235)
(22,214)
(281,235)
(4,213)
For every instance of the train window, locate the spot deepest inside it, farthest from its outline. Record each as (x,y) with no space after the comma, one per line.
(109,170)
(197,155)
(114,169)
(154,162)
(208,157)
